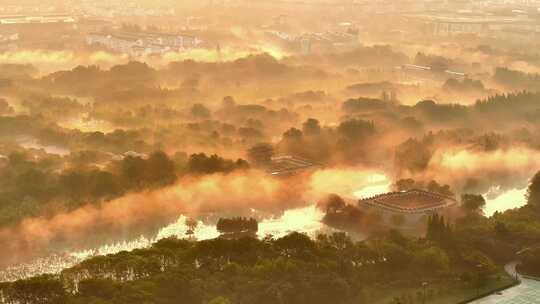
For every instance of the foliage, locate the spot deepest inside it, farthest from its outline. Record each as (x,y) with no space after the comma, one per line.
(237,225)
(203,164)
(473,202)
(413,155)
(290,269)
(530,261)
(439,230)
(514,79)
(261,154)
(27,185)
(464,86)
(340,214)
(363,104)
(38,290)
(533,192)
(355,129)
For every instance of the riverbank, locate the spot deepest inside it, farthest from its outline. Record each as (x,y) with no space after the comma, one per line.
(527,274)
(443,292)
(530,277)
(491,292)
(527,292)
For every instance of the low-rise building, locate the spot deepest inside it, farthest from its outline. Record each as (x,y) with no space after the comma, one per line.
(289,165)
(410,207)
(144,43)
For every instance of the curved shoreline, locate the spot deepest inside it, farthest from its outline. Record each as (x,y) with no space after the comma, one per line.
(521,282)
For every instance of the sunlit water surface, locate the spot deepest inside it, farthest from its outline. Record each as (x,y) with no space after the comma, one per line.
(86,124)
(32,143)
(306,220)
(501,201)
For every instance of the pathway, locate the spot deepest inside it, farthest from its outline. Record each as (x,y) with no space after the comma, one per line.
(528,292)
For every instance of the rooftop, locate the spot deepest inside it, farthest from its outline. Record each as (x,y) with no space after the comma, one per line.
(141,35)
(409,201)
(288,164)
(36,19)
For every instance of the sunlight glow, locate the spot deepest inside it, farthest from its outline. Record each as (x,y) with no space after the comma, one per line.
(378,184)
(510,199)
(306,220)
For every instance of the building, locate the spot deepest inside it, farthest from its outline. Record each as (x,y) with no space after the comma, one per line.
(44,19)
(448,25)
(428,72)
(38,31)
(455,75)
(289,165)
(456,27)
(143,43)
(408,208)
(9,41)
(280,21)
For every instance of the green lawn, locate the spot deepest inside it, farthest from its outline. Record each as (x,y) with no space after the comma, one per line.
(437,292)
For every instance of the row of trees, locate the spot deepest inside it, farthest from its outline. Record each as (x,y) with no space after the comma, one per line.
(237,225)
(291,269)
(296,268)
(407,184)
(202,164)
(27,185)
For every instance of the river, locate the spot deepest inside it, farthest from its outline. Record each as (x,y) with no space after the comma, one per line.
(528,292)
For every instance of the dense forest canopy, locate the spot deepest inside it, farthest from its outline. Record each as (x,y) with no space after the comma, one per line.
(236,152)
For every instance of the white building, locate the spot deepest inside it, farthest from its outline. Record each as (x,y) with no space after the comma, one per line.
(137,44)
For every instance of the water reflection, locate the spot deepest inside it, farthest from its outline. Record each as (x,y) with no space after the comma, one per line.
(497,200)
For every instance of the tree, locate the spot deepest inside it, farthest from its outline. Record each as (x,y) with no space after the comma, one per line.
(405,184)
(466,85)
(398,219)
(473,203)
(432,259)
(397,238)
(133,170)
(38,290)
(501,231)
(433,186)
(261,154)
(531,261)
(533,192)
(219,300)
(413,155)
(202,164)
(102,184)
(228,102)
(33,182)
(332,203)
(311,127)
(237,225)
(439,231)
(480,262)
(356,129)
(339,214)
(191,223)
(73,184)
(5,108)
(200,111)
(100,288)
(397,257)
(293,134)
(160,169)
(296,245)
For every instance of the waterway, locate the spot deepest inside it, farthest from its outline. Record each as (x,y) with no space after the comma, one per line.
(528,292)
(306,219)
(500,201)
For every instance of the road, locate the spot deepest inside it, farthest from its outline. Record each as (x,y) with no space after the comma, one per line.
(528,292)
